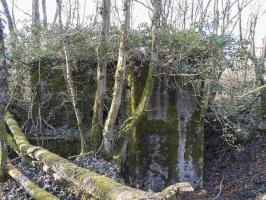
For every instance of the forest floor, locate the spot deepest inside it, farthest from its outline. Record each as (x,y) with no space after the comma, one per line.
(10,190)
(228,174)
(235,174)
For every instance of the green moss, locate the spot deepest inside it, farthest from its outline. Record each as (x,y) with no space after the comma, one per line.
(138,155)
(11,143)
(117,158)
(96,134)
(39,194)
(168,132)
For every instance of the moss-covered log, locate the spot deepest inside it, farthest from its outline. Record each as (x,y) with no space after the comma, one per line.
(98,186)
(14,147)
(11,143)
(31,188)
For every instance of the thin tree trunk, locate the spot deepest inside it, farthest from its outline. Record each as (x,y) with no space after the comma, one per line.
(69,14)
(58,6)
(13,14)
(192,13)
(35,68)
(8,16)
(240,20)
(149,85)
(44,13)
(108,131)
(216,16)
(71,90)
(3,92)
(97,119)
(35,23)
(78,12)
(59,12)
(10,22)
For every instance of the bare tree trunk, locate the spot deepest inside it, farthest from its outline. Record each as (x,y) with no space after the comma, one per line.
(78,13)
(216,16)
(71,90)
(258,65)
(8,16)
(10,22)
(240,20)
(192,13)
(35,72)
(97,119)
(59,12)
(185,9)
(3,92)
(35,23)
(13,14)
(108,131)
(149,85)
(44,13)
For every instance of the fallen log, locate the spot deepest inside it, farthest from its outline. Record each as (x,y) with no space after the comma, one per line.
(13,146)
(11,143)
(97,186)
(32,189)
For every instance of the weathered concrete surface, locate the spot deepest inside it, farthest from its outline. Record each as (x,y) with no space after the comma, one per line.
(167,145)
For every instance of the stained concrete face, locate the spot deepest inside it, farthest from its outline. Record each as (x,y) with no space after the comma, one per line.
(189,166)
(167,145)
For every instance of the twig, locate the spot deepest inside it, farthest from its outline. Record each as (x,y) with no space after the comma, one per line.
(79,155)
(146,6)
(252,91)
(220,188)
(21,156)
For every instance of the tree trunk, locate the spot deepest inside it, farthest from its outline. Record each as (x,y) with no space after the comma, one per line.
(216,16)
(108,131)
(58,13)
(240,20)
(32,189)
(3,100)
(35,71)
(263,80)
(98,186)
(153,66)
(84,138)
(97,119)
(8,16)
(70,86)
(35,24)
(44,13)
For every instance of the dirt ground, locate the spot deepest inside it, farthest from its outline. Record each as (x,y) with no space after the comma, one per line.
(231,174)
